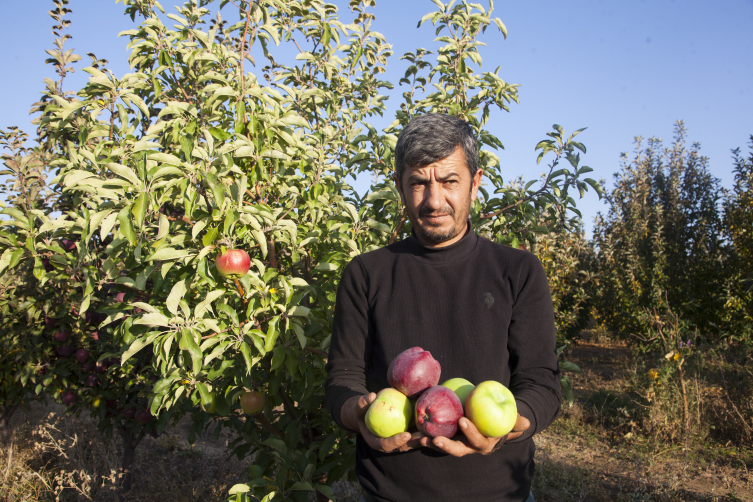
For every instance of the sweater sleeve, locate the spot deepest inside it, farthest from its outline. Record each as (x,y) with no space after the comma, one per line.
(350,347)
(534,369)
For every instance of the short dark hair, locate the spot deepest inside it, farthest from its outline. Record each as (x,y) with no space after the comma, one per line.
(431,137)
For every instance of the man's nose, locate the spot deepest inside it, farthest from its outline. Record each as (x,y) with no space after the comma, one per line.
(433,196)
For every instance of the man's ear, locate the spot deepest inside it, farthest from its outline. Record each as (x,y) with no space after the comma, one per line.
(475,183)
(396,180)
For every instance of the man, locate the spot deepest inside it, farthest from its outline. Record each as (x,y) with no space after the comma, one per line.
(483,310)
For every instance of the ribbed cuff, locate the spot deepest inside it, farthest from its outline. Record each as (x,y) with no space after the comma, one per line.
(525,411)
(338,404)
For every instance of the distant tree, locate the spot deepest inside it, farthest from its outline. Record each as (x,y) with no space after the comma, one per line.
(738,222)
(661,242)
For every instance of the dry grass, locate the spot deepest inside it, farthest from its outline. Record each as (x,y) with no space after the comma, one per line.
(59,458)
(602,449)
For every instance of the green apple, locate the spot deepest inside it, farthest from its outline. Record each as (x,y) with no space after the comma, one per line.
(491,408)
(391,413)
(460,386)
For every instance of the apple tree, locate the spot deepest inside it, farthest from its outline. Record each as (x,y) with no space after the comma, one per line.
(162,171)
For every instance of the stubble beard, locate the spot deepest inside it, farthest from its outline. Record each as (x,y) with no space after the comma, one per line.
(439,235)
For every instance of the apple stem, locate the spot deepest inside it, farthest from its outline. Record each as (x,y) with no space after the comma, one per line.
(240,290)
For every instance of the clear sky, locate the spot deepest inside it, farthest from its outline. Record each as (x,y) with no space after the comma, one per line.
(620,68)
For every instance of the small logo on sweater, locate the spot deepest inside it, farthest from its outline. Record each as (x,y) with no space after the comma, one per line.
(488,300)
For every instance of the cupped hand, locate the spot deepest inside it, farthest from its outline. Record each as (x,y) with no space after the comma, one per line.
(352,416)
(474,441)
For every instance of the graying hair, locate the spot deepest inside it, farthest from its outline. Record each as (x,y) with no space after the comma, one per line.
(431,137)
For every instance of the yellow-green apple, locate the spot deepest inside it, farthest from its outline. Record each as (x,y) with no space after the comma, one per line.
(461,386)
(252,402)
(438,411)
(233,263)
(389,414)
(413,371)
(491,408)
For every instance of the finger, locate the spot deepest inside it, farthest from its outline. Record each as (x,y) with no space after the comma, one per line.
(364,402)
(515,435)
(395,442)
(475,438)
(521,424)
(454,448)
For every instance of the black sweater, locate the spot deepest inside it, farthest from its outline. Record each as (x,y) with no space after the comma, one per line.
(484,311)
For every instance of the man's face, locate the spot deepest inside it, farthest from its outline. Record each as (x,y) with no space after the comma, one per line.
(438,198)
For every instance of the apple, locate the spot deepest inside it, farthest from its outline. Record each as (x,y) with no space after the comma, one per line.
(61,336)
(129,413)
(120,297)
(92,380)
(50,322)
(143,416)
(68,245)
(491,408)
(461,386)
(413,371)
(69,398)
(82,355)
(212,408)
(95,335)
(252,402)
(438,411)
(233,263)
(101,367)
(88,366)
(47,265)
(65,350)
(389,414)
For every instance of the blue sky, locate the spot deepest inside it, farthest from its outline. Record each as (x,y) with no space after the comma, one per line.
(621,69)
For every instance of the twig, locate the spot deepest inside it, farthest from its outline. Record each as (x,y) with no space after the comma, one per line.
(263,421)
(398,227)
(240,290)
(316,351)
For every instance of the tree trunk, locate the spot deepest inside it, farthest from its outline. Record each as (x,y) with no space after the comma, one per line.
(130,442)
(6,433)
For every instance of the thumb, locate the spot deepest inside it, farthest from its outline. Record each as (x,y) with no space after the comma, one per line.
(521,424)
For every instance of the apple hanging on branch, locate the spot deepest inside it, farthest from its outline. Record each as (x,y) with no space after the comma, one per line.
(252,402)
(233,264)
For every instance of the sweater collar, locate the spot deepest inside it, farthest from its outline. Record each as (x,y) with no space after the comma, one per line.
(452,252)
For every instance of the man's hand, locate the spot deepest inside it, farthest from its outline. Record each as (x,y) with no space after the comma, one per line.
(352,416)
(474,441)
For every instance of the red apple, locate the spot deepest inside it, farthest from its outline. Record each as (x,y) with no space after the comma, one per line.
(120,297)
(92,380)
(95,335)
(61,336)
(413,371)
(129,413)
(143,416)
(88,366)
(82,355)
(47,265)
(233,263)
(438,411)
(252,402)
(68,245)
(101,367)
(69,398)
(65,350)
(50,322)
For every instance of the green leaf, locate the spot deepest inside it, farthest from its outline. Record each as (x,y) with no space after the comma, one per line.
(188,342)
(138,209)
(219,134)
(205,304)
(239,488)
(570,366)
(126,227)
(206,397)
(153,319)
(169,254)
(176,294)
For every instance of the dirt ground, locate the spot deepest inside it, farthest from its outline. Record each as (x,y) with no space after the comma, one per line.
(602,468)
(575,460)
